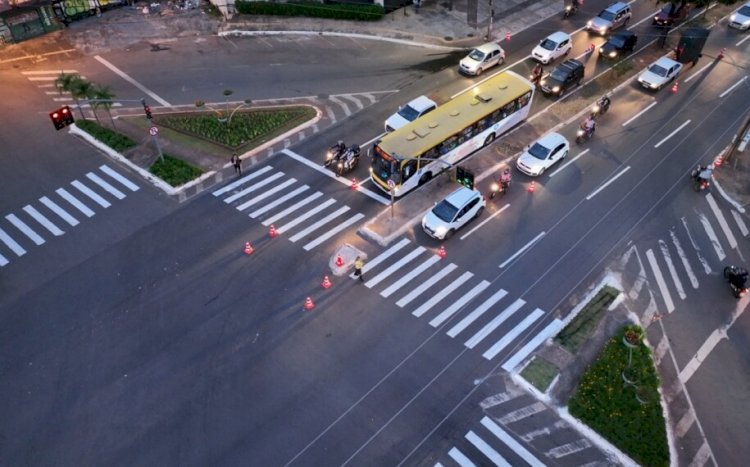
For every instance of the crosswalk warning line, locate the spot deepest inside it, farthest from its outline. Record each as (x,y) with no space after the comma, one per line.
(442,294)
(333,231)
(509,441)
(394,267)
(410,275)
(421,288)
(91,194)
(460,458)
(109,188)
(278,201)
(292,208)
(478,311)
(46,223)
(465,298)
(513,334)
(28,231)
(266,194)
(252,188)
(383,256)
(127,183)
(722,221)
(487,450)
(665,295)
(315,226)
(549,330)
(54,207)
(305,216)
(64,194)
(492,325)
(17,249)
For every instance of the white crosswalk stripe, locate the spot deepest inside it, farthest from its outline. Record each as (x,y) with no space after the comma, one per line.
(722,221)
(109,188)
(28,231)
(713,237)
(465,298)
(292,208)
(487,450)
(12,244)
(460,458)
(127,183)
(394,267)
(420,289)
(91,194)
(252,188)
(278,201)
(740,223)
(513,334)
(478,311)
(242,181)
(266,194)
(54,207)
(43,220)
(492,325)
(426,306)
(306,215)
(355,218)
(313,227)
(3,260)
(409,276)
(672,271)
(64,194)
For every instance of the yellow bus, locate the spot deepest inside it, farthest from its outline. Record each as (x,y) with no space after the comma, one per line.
(413,154)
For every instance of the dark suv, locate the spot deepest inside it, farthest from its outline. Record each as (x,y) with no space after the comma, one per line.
(618,44)
(563,77)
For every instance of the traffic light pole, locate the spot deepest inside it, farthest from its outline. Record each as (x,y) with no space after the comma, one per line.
(153,130)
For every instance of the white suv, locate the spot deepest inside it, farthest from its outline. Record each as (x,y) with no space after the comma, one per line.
(452,213)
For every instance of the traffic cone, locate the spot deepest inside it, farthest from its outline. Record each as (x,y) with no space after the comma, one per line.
(248,248)
(721,54)
(441,252)
(674,86)
(272,231)
(339,261)
(326,283)
(532,187)
(507,35)
(592,47)
(718,161)
(355,185)
(309,305)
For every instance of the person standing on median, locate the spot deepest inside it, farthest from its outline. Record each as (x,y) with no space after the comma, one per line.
(358,265)
(237,163)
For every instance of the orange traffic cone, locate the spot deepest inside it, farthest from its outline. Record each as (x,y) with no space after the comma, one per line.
(721,54)
(248,248)
(272,231)
(441,252)
(355,185)
(507,36)
(326,282)
(339,261)
(532,187)
(718,161)
(309,305)
(674,86)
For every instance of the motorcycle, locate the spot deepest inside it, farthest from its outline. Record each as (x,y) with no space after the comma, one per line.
(737,278)
(499,187)
(600,108)
(569,11)
(348,160)
(582,135)
(333,154)
(535,79)
(700,176)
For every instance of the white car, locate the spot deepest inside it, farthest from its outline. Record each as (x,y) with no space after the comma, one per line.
(452,213)
(740,19)
(410,112)
(556,45)
(542,154)
(481,58)
(659,73)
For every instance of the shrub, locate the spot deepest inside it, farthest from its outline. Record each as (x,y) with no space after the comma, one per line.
(174,171)
(313,9)
(111,138)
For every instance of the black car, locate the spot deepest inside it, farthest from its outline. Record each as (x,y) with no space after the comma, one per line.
(563,77)
(618,44)
(670,14)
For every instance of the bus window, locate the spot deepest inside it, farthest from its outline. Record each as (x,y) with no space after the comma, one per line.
(468,132)
(523,100)
(483,124)
(509,108)
(408,169)
(497,115)
(448,145)
(429,155)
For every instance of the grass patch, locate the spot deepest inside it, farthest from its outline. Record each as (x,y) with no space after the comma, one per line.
(174,171)
(628,415)
(312,9)
(111,138)
(540,373)
(579,329)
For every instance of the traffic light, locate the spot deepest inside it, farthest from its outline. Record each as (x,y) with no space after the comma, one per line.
(62,117)
(464,177)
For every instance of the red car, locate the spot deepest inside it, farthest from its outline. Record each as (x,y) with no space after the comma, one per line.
(679,13)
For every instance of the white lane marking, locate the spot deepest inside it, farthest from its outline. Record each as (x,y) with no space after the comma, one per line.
(410,275)
(465,298)
(697,73)
(39,217)
(684,424)
(492,325)
(569,162)
(487,450)
(670,267)
(739,221)
(460,458)
(59,211)
(741,41)
(3,260)
(731,88)
(639,113)
(722,221)
(569,448)
(660,280)
(130,80)
(485,221)
(425,285)
(442,294)
(28,231)
(607,183)
(49,72)
(478,311)
(683,257)
(62,99)
(109,188)
(523,248)
(696,248)
(671,134)
(315,226)
(394,267)
(523,412)
(305,216)
(702,354)
(42,78)
(342,180)
(17,249)
(333,231)
(279,201)
(383,256)
(91,194)
(74,201)
(353,99)
(548,331)
(128,184)
(713,237)
(341,104)
(292,208)
(266,194)
(241,181)
(513,334)
(252,188)
(511,442)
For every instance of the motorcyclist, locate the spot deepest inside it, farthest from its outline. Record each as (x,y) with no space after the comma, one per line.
(576,4)
(738,278)
(589,125)
(339,147)
(536,73)
(505,177)
(604,103)
(703,172)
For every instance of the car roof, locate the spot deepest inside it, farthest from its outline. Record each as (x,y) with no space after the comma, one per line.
(488,47)
(570,64)
(421,103)
(624,33)
(461,196)
(550,140)
(558,36)
(615,7)
(666,62)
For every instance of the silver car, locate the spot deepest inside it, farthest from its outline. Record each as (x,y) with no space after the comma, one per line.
(481,58)
(616,15)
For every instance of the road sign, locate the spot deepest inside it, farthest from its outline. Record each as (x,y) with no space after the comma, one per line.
(391,183)
(153,131)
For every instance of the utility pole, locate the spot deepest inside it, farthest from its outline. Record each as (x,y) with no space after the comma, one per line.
(741,139)
(489,25)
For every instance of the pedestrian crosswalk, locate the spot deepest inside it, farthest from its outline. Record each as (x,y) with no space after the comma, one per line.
(274,198)
(45,81)
(37,224)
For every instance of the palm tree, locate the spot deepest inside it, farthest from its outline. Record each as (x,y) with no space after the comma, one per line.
(103,96)
(64,82)
(81,89)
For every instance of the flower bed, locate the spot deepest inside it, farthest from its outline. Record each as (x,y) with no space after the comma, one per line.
(578,330)
(113,139)
(174,171)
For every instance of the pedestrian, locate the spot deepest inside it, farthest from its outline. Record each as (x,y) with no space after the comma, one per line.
(358,265)
(237,163)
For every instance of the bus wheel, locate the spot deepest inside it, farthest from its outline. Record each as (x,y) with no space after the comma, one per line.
(425,178)
(490,139)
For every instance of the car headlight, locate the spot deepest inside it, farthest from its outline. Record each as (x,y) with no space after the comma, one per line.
(733,17)
(588,25)
(613,54)
(441,231)
(556,89)
(656,18)
(603,30)
(543,82)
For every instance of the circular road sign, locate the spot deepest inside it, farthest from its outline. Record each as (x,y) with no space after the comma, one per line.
(153,131)
(391,183)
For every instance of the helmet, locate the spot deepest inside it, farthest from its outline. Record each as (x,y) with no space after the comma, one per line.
(506,171)
(340,143)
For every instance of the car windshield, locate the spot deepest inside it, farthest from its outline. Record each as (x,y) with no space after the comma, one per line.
(408,112)
(539,151)
(608,15)
(744,11)
(617,41)
(558,74)
(658,70)
(477,55)
(445,211)
(548,44)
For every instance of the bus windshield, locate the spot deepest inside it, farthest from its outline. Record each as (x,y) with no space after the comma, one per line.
(383,166)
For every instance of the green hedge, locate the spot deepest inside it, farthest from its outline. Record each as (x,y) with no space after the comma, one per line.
(313,10)
(113,139)
(174,171)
